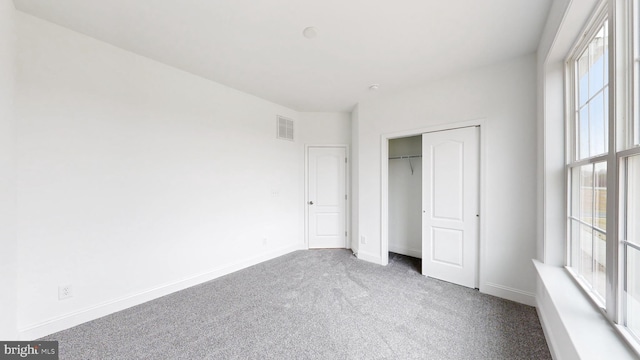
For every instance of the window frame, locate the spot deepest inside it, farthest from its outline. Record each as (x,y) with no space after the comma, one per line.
(623,18)
(594,25)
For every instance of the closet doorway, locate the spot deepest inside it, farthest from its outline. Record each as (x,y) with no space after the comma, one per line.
(432,200)
(405,196)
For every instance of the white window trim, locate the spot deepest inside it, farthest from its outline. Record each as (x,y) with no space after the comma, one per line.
(593,25)
(572,324)
(624,85)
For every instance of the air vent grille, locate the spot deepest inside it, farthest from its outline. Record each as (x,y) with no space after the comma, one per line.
(285,128)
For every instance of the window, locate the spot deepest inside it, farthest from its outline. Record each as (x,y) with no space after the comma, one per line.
(587,168)
(592,135)
(603,164)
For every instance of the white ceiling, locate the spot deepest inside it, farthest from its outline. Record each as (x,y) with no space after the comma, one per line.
(257,45)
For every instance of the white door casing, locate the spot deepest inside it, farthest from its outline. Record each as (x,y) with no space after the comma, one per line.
(326,197)
(450,201)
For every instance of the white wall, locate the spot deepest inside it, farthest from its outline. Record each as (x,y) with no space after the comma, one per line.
(7,173)
(405,197)
(136,179)
(504,95)
(551,130)
(324,128)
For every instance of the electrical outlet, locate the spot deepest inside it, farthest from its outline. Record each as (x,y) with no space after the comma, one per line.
(264,241)
(65,292)
(363,239)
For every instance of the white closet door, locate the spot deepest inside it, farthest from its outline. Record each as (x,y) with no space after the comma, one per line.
(450,186)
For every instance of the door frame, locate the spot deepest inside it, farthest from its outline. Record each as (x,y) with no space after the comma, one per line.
(384,188)
(347,175)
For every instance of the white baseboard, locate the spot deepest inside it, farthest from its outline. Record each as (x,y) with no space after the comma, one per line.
(369,257)
(509,293)
(78,317)
(405,251)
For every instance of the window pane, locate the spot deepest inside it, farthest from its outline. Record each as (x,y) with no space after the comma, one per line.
(596,60)
(600,262)
(597,128)
(600,196)
(583,78)
(576,252)
(591,133)
(586,194)
(633,200)
(576,192)
(632,290)
(586,254)
(606,52)
(606,117)
(583,132)
(600,222)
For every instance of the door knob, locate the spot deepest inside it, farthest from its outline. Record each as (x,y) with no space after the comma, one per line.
(310,202)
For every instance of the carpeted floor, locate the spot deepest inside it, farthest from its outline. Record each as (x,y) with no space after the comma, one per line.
(319,304)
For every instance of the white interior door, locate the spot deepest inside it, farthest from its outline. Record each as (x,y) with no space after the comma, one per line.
(326,197)
(450,186)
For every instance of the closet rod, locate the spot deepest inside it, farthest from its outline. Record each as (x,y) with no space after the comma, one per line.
(405,157)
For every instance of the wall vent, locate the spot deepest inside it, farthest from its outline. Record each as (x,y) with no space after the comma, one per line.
(285,128)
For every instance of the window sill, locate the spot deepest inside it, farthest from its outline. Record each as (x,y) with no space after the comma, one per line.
(582,284)
(574,327)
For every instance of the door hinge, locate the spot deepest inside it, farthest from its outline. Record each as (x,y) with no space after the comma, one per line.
(345,160)
(345,233)
(345,196)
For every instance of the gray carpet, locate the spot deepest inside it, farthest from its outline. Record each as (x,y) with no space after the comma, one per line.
(319,304)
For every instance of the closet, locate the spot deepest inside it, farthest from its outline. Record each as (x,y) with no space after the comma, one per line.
(405,196)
